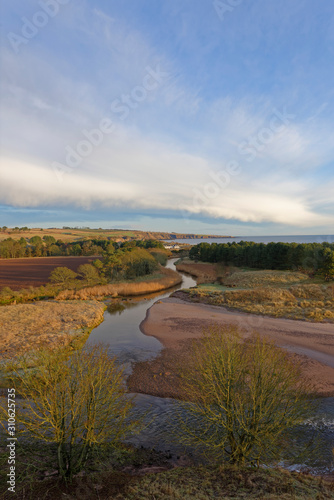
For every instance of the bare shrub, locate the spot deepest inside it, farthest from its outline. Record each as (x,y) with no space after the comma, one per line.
(241,398)
(77,402)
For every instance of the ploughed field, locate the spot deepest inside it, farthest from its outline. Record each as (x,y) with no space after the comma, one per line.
(35,271)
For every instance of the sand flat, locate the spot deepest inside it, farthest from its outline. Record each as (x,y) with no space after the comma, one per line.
(174,321)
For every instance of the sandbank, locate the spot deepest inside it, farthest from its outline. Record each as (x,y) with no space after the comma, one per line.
(174,322)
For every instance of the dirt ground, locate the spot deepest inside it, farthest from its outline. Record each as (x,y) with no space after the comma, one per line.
(34,271)
(175,322)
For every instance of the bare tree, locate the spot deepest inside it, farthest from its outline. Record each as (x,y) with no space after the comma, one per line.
(240,397)
(75,401)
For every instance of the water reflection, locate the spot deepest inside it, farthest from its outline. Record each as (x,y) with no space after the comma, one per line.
(120,328)
(161,433)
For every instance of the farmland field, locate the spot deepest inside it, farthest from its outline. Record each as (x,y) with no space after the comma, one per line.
(34,271)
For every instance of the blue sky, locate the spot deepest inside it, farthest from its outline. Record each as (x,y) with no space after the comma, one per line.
(175,115)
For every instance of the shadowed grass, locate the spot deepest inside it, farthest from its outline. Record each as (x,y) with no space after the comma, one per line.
(191,483)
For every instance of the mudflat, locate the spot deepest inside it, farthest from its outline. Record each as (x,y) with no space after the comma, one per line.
(175,322)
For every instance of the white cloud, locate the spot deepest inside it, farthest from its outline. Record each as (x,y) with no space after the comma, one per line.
(151,176)
(46,110)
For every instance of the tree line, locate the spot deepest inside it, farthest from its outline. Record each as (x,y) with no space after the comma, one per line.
(116,265)
(48,246)
(285,256)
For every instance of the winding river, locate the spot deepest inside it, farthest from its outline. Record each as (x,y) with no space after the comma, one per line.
(120,331)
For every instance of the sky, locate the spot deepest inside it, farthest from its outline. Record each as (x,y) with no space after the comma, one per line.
(195,116)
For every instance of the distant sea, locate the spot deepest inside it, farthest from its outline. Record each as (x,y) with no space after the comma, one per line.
(263,239)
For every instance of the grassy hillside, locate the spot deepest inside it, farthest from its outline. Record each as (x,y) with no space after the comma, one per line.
(68,235)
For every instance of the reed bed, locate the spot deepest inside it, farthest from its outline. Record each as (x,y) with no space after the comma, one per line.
(168,279)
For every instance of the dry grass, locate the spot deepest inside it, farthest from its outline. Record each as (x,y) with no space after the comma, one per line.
(169,279)
(203,271)
(308,302)
(228,482)
(251,279)
(235,277)
(260,295)
(27,326)
(154,482)
(274,293)
(315,292)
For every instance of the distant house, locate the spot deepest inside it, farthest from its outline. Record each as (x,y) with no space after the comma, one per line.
(171,246)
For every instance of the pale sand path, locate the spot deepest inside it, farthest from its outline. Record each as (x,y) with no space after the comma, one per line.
(172,320)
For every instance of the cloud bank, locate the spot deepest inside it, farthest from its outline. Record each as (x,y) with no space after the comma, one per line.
(124,123)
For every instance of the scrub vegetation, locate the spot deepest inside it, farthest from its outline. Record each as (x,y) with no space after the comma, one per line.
(241,398)
(248,396)
(278,294)
(75,400)
(129,262)
(162,280)
(286,279)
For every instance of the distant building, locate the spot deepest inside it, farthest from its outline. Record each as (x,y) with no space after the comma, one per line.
(171,246)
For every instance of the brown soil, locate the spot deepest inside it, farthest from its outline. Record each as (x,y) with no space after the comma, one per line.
(160,376)
(35,271)
(175,323)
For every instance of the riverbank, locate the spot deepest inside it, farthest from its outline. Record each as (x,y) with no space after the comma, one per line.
(204,272)
(24,327)
(276,293)
(175,323)
(74,313)
(167,279)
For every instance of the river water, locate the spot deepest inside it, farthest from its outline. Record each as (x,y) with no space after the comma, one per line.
(120,331)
